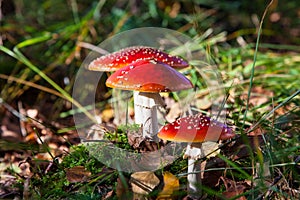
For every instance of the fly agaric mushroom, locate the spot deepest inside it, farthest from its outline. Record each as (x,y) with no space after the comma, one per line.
(195,130)
(147,78)
(126,56)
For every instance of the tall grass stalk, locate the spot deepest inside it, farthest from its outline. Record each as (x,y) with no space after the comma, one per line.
(254,62)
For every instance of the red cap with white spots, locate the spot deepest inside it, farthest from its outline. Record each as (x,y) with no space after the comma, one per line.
(148,76)
(195,129)
(126,56)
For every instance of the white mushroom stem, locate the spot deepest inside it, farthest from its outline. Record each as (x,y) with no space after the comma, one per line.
(194,152)
(145,108)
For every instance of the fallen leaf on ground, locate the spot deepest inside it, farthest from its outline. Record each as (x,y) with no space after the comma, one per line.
(77,174)
(143,182)
(171,185)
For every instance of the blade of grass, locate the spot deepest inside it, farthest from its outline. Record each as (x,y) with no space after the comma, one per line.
(29,42)
(254,62)
(232,164)
(45,145)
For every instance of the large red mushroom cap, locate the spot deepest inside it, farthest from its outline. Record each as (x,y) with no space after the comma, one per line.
(148,76)
(126,56)
(194,129)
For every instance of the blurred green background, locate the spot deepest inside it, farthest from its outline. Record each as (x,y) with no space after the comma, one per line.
(55,35)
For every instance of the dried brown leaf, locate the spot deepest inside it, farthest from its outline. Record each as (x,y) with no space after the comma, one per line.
(143,182)
(77,174)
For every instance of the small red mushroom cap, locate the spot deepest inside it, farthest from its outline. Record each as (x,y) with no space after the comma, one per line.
(148,76)
(126,56)
(195,129)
